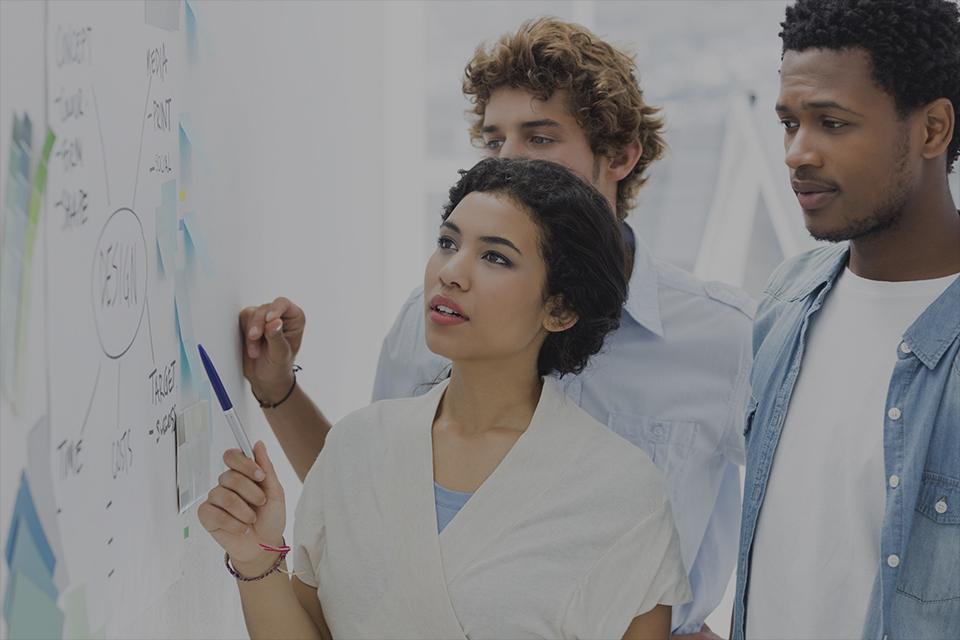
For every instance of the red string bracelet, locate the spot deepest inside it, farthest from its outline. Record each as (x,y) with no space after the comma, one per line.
(283,550)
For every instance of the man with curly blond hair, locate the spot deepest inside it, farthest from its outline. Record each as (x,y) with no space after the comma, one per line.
(673,379)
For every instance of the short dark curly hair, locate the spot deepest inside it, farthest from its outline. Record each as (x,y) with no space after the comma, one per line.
(914,46)
(581,244)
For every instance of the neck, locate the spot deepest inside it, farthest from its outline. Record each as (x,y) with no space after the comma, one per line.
(922,245)
(487,395)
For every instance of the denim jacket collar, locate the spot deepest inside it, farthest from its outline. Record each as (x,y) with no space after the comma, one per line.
(929,336)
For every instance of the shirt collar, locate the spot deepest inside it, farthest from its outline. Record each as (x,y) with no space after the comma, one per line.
(643,299)
(937,328)
(929,336)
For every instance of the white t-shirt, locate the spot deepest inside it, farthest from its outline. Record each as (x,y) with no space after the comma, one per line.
(817,548)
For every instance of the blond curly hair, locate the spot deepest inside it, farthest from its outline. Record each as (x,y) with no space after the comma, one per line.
(546,55)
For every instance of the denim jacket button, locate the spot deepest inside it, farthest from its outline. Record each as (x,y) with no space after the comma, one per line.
(894,481)
(940,506)
(905,348)
(893,560)
(894,413)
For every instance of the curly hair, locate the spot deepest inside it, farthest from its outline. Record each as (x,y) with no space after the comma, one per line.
(547,55)
(914,46)
(581,245)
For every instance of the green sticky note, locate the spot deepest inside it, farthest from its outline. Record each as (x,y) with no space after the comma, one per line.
(76,626)
(186,532)
(33,615)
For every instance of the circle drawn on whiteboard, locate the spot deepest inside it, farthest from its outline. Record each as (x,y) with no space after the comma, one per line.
(119,282)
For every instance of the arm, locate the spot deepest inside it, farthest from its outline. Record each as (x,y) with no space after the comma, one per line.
(652,625)
(272,334)
(246,508)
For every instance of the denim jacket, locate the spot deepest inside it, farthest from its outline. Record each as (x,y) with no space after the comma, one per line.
(916,591)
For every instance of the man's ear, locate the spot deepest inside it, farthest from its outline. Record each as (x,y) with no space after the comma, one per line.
(939,121)
(559,317)
(619,165)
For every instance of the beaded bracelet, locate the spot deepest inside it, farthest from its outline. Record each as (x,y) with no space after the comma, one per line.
(267,405)
(283,550)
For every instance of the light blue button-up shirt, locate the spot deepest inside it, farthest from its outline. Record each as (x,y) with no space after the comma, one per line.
(916,591)
(673,380)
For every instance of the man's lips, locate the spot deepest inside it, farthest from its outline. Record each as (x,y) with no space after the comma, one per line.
(812,194)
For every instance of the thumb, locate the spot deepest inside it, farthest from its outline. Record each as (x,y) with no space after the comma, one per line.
(271,483)
(278,349)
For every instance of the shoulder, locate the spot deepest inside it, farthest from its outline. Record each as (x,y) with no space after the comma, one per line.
(713,297)
(609,465)
(796,276)
(373,423)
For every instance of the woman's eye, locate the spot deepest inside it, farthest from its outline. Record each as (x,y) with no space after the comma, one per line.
(833,124)
(496,258)
(788,125)
(445,242)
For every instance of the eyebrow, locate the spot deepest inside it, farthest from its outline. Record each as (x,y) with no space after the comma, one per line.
(818,104)
(486,239)
(530,124)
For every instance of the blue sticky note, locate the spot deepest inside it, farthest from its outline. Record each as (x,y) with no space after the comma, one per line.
(189,358)
(196,249)
(33,615)
(24,509)
(27,560)
(191,20)
(166,226)
(186,158)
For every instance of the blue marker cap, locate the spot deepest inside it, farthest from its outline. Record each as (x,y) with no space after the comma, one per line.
(214,377)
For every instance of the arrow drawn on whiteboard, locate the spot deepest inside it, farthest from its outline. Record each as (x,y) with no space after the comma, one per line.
(93,395)
(143,125)
(103,149)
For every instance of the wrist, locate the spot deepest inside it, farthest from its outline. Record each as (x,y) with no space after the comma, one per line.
(271,393)
(257,566)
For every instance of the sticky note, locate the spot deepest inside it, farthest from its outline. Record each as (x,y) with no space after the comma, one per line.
(27,560)
(32,613)
(164,14)
(195,248)
(166,226)
(24,509)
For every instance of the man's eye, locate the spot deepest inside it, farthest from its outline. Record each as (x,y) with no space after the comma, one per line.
(496,258)
(834,124)
(788,125)
(540,140)
(493,145)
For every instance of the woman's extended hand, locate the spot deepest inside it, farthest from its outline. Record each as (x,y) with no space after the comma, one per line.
(246,508)
(272,334)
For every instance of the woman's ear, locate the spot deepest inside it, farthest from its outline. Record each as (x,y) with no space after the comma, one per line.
(559,317)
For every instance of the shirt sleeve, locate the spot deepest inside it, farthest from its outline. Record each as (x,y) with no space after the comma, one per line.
(308,528)
(642,569)
(398,345)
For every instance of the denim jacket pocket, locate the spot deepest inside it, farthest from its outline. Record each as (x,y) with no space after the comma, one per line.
(931,567)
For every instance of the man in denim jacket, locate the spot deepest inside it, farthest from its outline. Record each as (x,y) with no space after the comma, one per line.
(851,517)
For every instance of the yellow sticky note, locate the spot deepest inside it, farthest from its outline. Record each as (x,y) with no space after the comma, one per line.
(183,195)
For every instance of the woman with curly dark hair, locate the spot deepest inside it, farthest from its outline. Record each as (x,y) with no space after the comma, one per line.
(492,506)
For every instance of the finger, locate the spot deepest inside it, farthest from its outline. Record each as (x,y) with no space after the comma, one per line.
(244,487)
(271,484)
(283,308)
(232,504)
(257,320)
(235,459)
(250,345)
(213,518)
